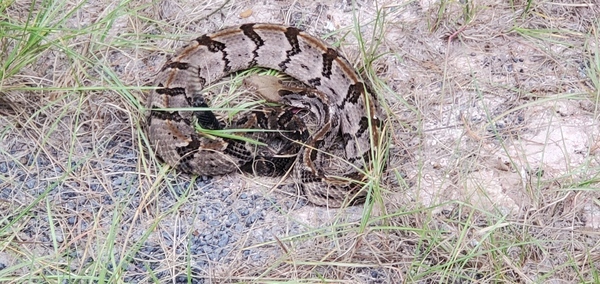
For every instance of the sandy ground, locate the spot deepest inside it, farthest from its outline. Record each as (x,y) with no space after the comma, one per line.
(493,115)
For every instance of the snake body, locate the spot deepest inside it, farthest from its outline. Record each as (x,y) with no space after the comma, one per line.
(348,114)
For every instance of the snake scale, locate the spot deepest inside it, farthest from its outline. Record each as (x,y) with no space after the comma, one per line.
(349,117)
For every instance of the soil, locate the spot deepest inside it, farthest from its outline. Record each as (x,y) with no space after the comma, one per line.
(493,121)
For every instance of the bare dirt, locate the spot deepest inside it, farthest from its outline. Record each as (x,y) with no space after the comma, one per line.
(492,174)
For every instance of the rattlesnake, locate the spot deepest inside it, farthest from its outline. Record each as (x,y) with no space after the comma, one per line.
(347,110)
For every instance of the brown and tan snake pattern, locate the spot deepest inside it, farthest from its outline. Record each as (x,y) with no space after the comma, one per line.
(348,116)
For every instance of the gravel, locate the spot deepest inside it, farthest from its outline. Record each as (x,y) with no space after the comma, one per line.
(211,226)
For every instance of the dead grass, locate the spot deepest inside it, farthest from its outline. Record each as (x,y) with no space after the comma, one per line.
(493,156)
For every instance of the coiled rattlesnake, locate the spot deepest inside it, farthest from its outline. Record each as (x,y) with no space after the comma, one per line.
(349,116)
